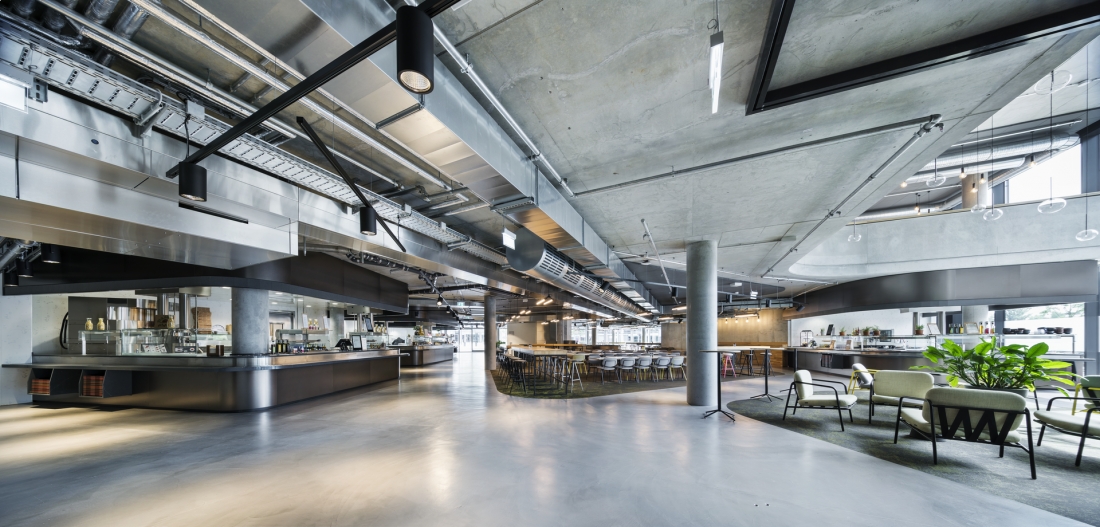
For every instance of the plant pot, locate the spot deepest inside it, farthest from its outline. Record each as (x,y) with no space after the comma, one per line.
(1022,392)
(918,331)
(1067,331)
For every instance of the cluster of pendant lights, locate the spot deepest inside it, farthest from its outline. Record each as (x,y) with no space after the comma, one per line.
(50,254)
(1050,205)
(415,72)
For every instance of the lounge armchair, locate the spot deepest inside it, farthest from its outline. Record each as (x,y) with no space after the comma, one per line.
(807,399)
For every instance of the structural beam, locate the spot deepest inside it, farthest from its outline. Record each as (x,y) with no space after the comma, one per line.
(762,97)
(372,44)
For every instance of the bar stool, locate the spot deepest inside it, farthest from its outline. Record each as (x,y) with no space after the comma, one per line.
(574,364)
(728,364)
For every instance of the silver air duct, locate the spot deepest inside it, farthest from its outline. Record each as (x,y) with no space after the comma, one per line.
(536,258)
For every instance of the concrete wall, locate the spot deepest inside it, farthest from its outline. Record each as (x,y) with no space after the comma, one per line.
(48,313)
(674,336)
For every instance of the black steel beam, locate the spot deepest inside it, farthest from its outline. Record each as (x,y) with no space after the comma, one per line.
(763,98)
(372,44)
(347,178)
(778,22)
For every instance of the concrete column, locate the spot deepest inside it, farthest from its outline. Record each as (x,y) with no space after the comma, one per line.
(490,333)
(984,195)
(250,321)
(17,329)
(702,322)
(975,314)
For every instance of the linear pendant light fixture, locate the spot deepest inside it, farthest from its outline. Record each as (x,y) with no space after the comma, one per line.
(717,43)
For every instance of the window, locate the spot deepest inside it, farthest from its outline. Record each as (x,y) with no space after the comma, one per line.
(1057,316)
(1062,174)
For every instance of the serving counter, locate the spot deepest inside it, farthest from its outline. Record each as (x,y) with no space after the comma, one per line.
(185,381)
(421,354)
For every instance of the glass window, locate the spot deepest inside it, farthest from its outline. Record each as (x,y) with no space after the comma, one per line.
(1057,316)
(1062,174)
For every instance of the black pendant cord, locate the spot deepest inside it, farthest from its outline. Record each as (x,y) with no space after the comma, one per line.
(347,179)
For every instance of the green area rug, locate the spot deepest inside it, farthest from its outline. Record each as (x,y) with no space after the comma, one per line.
(591,387)
(1061,487)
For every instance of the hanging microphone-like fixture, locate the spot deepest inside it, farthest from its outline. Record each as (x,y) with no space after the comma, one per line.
(368,221)
(415,50)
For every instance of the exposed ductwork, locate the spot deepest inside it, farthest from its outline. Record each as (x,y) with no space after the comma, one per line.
(128,23)
(1007,154)
(535,257)
(78,76)
(55,21)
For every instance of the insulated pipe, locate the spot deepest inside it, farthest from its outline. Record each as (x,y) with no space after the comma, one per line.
(128,24)
(56,21)
(536,154)
(99,11)
(23,8)
(259,72)
(900,212)
(978,161)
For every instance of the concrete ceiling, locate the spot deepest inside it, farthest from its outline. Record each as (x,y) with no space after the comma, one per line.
(617,91)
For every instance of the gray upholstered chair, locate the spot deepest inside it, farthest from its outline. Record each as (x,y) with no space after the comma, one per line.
(975,416)
(899,388)
(1083,424)
(807,398)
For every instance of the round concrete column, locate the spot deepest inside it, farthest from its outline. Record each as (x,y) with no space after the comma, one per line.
(490,333)
(984,195)
(250,321)
(975,314)
(702,322)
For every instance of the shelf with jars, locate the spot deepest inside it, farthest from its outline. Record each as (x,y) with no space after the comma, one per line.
(142,341)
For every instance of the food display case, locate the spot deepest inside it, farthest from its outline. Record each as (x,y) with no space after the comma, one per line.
(139,342)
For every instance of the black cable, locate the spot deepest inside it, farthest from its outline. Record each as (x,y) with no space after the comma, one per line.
(63,336)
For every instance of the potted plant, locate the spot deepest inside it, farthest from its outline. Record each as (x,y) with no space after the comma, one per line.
(842,332)
(874,330)
(1012,368)
(919,330)
(866,331)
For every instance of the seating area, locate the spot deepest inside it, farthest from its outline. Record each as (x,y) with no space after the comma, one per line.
(935,414)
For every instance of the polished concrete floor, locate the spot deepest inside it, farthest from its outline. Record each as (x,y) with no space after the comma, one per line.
(443,447)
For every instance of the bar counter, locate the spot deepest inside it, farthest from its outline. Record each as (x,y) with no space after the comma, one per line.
(197,382)
(421,354)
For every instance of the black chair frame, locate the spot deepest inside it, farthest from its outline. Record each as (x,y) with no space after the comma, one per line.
(987,422)
(794,408)
(871,402)
(1082,435)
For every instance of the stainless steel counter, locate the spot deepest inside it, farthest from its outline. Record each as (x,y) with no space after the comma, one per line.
(221,384)
(421,354)
(839,362)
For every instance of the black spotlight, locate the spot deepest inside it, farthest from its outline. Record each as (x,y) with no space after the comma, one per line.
(767,302)
(415,50)
(23,268)
(800,307)
(368,221)
(10,279)
(192,182)
(51,253)
(439,302)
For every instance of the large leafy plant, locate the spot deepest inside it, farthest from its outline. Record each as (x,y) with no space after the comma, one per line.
(987,366)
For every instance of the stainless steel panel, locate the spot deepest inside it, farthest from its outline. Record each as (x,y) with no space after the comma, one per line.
(8,179)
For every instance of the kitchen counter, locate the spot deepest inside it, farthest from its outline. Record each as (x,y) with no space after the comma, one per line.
(197,382)
(421,354)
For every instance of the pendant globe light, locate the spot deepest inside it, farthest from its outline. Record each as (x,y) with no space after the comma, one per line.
(415,50)
(855,236)
(1051,204)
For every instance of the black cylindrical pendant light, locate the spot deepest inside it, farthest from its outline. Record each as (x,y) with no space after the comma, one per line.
(192,182)
(10,279)
(51,253)
(368,221)
(23,268)
(415,50)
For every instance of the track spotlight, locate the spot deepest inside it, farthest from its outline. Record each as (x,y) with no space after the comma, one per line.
(439,301)
(192,182)
(51,253)
(415,50)
(10,279)
(800,307)
(23,268)
(368,221)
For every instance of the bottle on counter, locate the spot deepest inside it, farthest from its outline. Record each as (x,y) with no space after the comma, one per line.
(88,326)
